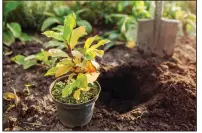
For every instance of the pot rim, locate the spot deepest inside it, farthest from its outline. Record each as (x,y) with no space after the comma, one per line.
(67,104)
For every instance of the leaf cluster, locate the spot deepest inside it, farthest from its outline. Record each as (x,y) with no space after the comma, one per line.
(78,63)
(12,30)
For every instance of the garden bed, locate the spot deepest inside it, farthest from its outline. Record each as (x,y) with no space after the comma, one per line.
(139,93)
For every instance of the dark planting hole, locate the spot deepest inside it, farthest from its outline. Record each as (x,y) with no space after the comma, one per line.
(125,87)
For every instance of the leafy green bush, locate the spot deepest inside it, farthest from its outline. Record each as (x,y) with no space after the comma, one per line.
(12,30)
(58,16)
(30,13)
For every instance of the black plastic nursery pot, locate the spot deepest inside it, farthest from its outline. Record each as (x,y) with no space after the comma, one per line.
(73,115)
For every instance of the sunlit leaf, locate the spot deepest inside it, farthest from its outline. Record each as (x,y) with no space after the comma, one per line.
(30,57)
(90,55)
(54,35)
(77,94)
(19,59)
(95,64)
(92,77)
(51,71)
(69,24)
(90,67)
(42,56)
(99,53)
(77,56)
(81,81)
(130,44)
(68,89)
(76,34)
(100,43)
(85,89)
(9,96)
(89,41)
(62,70)
(29,63)
(57,53)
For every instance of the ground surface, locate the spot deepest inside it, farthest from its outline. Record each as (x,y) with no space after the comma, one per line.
(138,93)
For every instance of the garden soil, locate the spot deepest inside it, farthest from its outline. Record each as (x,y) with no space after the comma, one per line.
(139,92)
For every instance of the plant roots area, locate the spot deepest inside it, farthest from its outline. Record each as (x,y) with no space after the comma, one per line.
(139,92)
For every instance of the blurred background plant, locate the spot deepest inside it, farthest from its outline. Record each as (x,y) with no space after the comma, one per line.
(30,14)
(117,18)
(12,30)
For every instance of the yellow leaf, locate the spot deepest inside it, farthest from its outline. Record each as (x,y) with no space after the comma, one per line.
(89,41)
(130,44)
(9,96)
(77,94)
(76,34)
(62,70)
(92,77)
(85,89)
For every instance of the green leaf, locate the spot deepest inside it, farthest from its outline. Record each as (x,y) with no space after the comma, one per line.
(100,43)
(42,56)
(14,28)
(30,57)
(57,53)
(24,37)
(29,63)
(66,61)
(76,34)
(99,53)
(51,44)
(68,89)
(90,55)
(82,81)
(89,41)
(62,70)
(8,38)
(69,24)
(10,6)
(50,21)
(19,59)
(51,71)
(53,34)
(86,24)
(62,10)
(58,28)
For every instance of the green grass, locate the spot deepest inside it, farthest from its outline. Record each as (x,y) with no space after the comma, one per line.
(84,97)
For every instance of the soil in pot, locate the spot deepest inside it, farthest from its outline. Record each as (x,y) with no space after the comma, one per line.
(85,96)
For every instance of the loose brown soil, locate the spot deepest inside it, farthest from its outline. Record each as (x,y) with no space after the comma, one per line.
(139,93)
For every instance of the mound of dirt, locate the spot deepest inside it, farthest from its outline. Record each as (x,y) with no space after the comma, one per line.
(139,93)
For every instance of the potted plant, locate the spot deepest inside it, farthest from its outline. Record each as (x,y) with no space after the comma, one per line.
(75,90)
